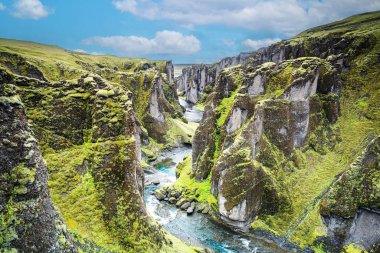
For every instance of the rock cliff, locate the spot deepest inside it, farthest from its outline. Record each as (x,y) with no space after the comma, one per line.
(29,221)
(91,117)
(278,130)
(196,82)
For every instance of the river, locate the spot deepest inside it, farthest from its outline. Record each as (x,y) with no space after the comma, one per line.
(196,229)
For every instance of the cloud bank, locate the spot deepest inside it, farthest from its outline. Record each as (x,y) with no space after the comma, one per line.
(164,43)
(281,16)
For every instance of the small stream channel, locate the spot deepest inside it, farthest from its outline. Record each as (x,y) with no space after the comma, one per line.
(195,229)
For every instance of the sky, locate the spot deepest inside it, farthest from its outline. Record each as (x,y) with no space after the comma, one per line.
(185,31)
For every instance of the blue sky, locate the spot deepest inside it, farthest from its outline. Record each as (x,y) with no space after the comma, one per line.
(190,31)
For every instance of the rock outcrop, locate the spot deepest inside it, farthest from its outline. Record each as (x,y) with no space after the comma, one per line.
(284,120)
(29,221)
(279,129)
(199,79)
(195,81)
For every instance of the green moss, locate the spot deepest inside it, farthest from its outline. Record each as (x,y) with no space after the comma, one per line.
(259,224)
(105,93)
(224,108)
(80,95)
(357,187)
(8,222)
(180,132)
(280,80)
(73,191)
(307,186)
(352,248)
(83,123)
(304,176)
(200,106)
(235,76)
(56,63)
(11,100)
(22,175)
(81,177)
(186,181)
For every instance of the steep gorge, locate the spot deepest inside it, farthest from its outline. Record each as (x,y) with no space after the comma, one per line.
(287,149)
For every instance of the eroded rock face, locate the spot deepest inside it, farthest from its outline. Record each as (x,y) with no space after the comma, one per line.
(365,220)
(30,223)
(90,117)
(237,119)
(170,71)
(20,66)
(154,120)
(240,199)
(351,209)
(194,80)
(278,128)
(275,105)
(233,61)
(204,144)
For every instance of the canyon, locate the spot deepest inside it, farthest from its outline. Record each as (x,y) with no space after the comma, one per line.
(275,150)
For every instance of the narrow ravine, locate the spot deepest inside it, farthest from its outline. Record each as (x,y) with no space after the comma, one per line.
(195,229)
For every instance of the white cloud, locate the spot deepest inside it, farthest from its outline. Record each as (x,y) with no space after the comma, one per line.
(126,5)
(164,42)
(143,8)
(30,9)
(256,44)
(2,7)
(284,16)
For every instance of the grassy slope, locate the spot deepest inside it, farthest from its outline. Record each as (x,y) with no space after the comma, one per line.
(47,57)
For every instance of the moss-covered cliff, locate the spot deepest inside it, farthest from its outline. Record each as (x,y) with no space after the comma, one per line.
(279,130)
(92,116)
(29,221)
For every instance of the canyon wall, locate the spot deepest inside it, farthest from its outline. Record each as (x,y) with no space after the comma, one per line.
(279,130)
(91,117)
